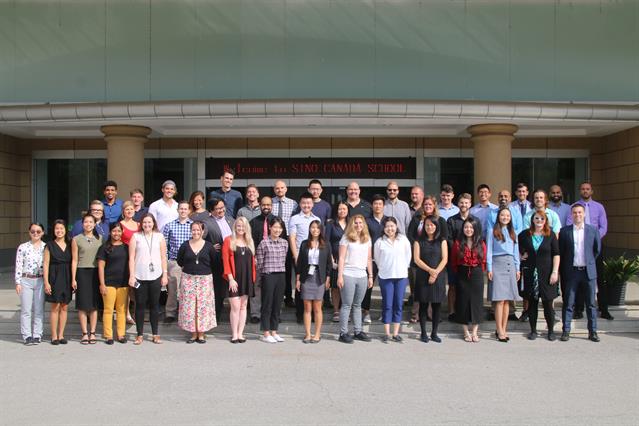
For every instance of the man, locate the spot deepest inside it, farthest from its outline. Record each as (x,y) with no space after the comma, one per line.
(376,230)
(394,207)
(558,206)
(175,234)
(232,198)
(252,207)
(284,208)
(595,215)
(579,247)
(416,198)
(446,206)
(112,204)
(137,198)
(522,203)
(218,226)
(321,208)
(355,204)
(540,201)
(482,209)
(504,199)
(455,230)
(297,232)
(96,208)
(165,209)
(260,230)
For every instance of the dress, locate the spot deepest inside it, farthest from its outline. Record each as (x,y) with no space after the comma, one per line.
(86,276)
(243,272)
(469,268)
(59,274)
(430,252)
(195,292)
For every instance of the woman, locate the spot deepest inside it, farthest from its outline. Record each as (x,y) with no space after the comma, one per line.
(195,293)
(430,253)
(313,268)
(469,263)
(354,276)
(502,262)
(29,285)
(392,254)
(147,274)
(57,280)
(238,257)
(129,228)
(113,274)
(334,233)
(539,250)
(198,206)
(84,277)
(270,260)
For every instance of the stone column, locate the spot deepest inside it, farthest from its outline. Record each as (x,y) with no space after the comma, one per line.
(125,156)
(492,145)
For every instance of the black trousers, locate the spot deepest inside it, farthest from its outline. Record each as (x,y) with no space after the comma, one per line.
(366,303)
(423,314)
(533,313)
(273,286)
(220,289)
(290,269)
(147,293)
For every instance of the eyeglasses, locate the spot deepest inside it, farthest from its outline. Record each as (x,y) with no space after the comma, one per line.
(35,232)
(539,218)
(97,210)
(392,190)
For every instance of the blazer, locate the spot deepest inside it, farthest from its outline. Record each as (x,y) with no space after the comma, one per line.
(228,260)
(592,249)
(325,263)
(540,259)
(213,232)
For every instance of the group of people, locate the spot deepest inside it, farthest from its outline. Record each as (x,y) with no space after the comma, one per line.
(270,250)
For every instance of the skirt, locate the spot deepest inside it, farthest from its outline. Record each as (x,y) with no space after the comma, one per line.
(469,296)
(504,284)
(312,288)
(88,292)
(197,303)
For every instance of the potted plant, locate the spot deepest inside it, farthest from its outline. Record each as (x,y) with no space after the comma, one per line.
(616,273)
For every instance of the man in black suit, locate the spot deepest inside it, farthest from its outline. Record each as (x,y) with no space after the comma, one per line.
(579,247)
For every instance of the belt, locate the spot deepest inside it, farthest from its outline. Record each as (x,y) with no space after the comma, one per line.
(31,276)
(579,268)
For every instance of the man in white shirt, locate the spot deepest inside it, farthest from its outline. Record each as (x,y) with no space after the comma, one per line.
(446,207)
(482,209)
(165,209)
(394,207)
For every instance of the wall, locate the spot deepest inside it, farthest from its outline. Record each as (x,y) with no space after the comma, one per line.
(15,195)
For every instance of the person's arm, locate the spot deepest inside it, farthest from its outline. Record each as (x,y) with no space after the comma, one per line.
(340,265)
(455,256)
(101,265)
(45,270)
(489,255)
(74,264)
(292,235)
(165,264)
(418,261)
(132,244)
(442,264)
(369,266)
(329,264)
(180,255)
(226,260)
(298,268)
(259,257)
(603,222)
(517,261)
(18,270)
(166,233)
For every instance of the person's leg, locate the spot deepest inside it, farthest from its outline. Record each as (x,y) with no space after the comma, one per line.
(242,317)
(108,300)
(549,315)
(93,322)
(174,273)
(54,318)
(288,290)
(268,294)
(141,300)
(82,319)
(452,282)
(499,312)
(399,289)
(504,317)
(319,318)
(308,306)
(335,300)
(234,316)
(155,288)
(278,295)
(121,295)
(62,320)
(220,286)
(437,307)
(423,309)
(386,287)
(567,311)
(130,301)
(361,286)
(26,308)
(533,309)
(256,301)
(591,306)
(347,294)
(38,308)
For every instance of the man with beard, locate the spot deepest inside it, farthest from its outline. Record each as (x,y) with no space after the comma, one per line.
(557,204)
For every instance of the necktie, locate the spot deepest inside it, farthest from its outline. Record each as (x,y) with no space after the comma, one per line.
(279,208)
(265,231)
(522,206)
(587,213)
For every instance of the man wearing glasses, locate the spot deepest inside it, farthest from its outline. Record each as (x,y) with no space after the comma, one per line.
(394,207)
(96,208)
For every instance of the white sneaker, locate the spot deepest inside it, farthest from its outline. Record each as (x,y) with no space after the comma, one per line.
(277,338)
(367,319)
(268,339)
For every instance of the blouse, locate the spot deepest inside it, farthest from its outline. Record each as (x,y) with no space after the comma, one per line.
(29,260)
(87,250)
(200,263)
(271,256)
(392,257)
(468,257)
(116,265)
(494,247)
(148,256)
(356,260)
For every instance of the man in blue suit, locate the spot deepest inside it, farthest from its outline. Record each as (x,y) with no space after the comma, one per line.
(579,247)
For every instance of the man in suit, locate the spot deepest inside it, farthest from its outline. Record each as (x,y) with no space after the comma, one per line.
(579,247)
(218,227)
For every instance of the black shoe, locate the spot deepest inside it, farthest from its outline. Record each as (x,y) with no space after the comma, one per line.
(451,317)
(255,320)
(532,335)
(345,338)
(169,320)
(241,340)
(63,341)
(606,315)
(398,339)
(28,341)
(386,339)
(551,336)
(122,340)
(578,315)
(189,341)
(593,337)
(435,338)
(362,336)
(200,341)
(55,342)
(524,316)
(289,303)
(234,341)
(424,338)
(565,336)
(36,341)
(109,341)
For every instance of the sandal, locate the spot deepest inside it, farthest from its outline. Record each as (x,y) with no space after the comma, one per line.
(475,338)
(130,320)
(413,319)
(92,341)
(468,338)
(157,340)
(85,341)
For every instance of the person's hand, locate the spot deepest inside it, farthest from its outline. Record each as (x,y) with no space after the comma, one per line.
(18,289)
(432,279)
(328,284)
(518,275)
(132,282)
(103,290)
(370,282)
(340,282)
(217,246)
(490,276)
(334,265)
(298,285)
(554,277)
(47,289)
(232,286)
(164,281)
(74,285)
(524,256)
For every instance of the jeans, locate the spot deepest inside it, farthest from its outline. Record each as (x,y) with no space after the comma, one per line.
(31,299)
(393,290)
(352,295)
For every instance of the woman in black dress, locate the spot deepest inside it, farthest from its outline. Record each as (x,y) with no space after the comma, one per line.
(334,233)
(430,253)
(57,280)
(539,254)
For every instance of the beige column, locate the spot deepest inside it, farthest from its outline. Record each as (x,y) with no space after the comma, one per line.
(492,145)
(125,156)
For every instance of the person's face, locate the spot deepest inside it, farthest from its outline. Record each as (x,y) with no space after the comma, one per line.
(266,205)
(417,196)
(522,193)
(116,234)
(538,221)
(539,199)
(392,191)
(183,211)
(137,199)
(342,211)
(168,191)
(555,194)
(378,207)
(128,212)
(430,228)
(59,230)
(280,189)
(446,197)
(110,192)
(36,233)
(306,204)
(586,191)
(252,194)
(578,215)
(314,230)
(464,205)
(358,225)
(239,228)
(484,195)
(469,231)
(219,210)
(504,198)
(276,230)
(429,206)
(198,202)
(504,217)
(196,232)
(315,189)
(390,229)
(352,191)
(88,224)
(226,180)
(147,224)
(97,210)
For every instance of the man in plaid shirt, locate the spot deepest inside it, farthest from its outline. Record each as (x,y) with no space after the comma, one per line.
(175,233)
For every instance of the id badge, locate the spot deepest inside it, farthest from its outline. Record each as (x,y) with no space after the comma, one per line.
(151,268)
(311,269)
